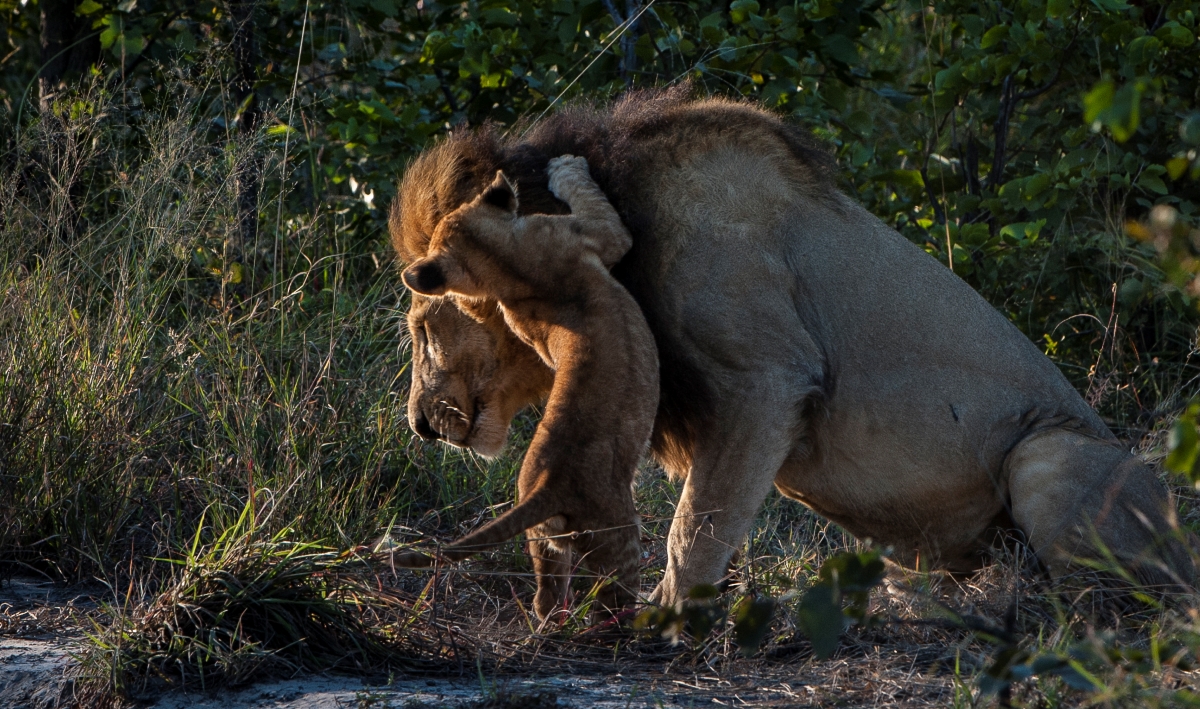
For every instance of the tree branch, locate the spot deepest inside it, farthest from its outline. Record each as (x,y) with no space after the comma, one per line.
(1007,100)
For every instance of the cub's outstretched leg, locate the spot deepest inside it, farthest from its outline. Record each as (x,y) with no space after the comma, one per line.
(1068,488)
(551,566)
(613,551)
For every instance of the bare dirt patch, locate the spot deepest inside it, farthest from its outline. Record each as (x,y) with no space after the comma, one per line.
(33,673)
(41,635)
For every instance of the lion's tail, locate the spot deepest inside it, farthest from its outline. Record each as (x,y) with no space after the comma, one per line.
(526,514)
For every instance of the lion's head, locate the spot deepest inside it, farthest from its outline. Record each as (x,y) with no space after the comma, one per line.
(471,374)
(629,145)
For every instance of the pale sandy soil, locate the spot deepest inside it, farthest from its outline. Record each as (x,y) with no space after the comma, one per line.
(41,628)
(32,672)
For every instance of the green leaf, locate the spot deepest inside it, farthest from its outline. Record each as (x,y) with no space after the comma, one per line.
(108,36)
(1098,100)
(820,618)
(1058,8)
(994,36)
(751,621)
(87,7)
(387,7)
(1118,110)
(1036,185)
(132,44)
(841,48)
(127,5)
(1183,445)
(1176,167)
(1021,231)
(741,10)
(904,178)
(1176,35)
(1111,5)
(973,24)
(1189,128)
(500,16)
(1152,183)
(974,234)
(1143,50)
(860,122)
(834,94)
(714,20)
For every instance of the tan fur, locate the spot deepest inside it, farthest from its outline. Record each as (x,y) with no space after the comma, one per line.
(805,344)
(550,277)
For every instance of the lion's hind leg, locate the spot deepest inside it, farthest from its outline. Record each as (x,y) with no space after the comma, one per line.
(1069,491)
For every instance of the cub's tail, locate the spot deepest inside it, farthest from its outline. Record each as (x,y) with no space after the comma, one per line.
(530,512)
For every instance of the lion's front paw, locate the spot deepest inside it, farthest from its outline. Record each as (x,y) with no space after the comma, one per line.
(563,169)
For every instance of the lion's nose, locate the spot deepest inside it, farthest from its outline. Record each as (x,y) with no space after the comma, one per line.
(423,429)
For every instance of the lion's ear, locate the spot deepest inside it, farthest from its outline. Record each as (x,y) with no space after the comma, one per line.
(501,193)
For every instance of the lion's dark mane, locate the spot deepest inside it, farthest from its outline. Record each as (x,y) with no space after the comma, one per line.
(618,139)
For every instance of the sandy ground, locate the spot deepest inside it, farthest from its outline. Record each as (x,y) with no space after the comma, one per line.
(32,672)
(581,692)
(40,629)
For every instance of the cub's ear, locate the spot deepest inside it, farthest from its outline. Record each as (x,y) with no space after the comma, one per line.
(427,276)
(501,193)
(438,275)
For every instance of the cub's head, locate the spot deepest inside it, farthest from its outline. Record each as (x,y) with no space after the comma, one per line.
(461,258)
(470,374)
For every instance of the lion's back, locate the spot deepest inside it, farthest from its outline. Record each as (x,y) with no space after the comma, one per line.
(745,252)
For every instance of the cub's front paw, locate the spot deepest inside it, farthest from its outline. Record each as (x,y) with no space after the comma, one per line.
(563,169)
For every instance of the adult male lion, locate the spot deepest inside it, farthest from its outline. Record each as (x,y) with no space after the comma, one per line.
(802,342)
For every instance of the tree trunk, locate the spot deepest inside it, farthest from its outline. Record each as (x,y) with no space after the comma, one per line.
(68,47)
(629,38)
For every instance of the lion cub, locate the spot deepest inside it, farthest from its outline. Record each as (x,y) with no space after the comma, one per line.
(550,276)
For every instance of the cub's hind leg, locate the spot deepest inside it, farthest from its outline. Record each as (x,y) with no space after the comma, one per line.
(1068,488)
(551,565)
(614,552)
